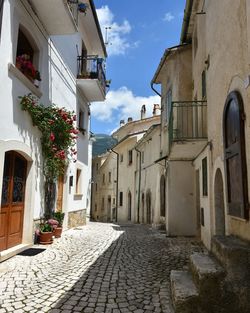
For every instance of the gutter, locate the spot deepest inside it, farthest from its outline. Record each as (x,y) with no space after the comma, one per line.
(186,19)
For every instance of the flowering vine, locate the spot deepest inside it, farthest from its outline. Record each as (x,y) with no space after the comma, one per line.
(58,138)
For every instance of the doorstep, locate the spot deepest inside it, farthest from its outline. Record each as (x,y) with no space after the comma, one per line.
(6,254)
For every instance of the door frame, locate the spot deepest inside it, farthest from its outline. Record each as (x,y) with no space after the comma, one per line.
(10,207)
(31,181)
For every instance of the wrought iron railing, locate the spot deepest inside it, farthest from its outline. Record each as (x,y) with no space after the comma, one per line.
(91,67)
(188,120)
(73,6)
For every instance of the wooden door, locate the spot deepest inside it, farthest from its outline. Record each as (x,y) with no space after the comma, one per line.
(59,200)
(235,157)
(12,204)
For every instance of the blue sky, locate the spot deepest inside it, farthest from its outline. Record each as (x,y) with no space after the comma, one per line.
(140,32)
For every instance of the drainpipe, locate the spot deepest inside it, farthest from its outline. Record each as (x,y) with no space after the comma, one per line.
(152,87)
(139,187)
(117,178)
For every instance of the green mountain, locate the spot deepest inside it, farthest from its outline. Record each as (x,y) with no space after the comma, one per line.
(102,143)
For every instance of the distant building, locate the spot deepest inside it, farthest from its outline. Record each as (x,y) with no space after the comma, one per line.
(124,158)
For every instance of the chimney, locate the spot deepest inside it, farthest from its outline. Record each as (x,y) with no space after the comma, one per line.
(122,123)
(156,109)
(143,111)
(130,119)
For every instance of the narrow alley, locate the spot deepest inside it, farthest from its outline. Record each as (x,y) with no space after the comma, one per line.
(96,268)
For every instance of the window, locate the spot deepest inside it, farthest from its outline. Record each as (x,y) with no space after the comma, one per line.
(25,57)
(113,201)
(168,104)
(96,187)
(81,117)
(97,166)
(121,158)
(102,203)
(204,177)
(109,177)
(130,157)
(121,198)
(24,46)
(204,87)
(103,178)
(78,181)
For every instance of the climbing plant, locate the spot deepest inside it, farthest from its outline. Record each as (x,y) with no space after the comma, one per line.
(58,140)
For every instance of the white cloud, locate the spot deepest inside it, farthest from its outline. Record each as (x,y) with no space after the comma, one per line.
(168,17)
(117,35)
(121,104)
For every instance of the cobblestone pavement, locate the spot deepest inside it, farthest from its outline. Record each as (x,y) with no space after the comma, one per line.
(96,268)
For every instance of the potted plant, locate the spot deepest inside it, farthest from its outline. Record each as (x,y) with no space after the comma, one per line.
(45,233)
(37,79)
(59,217)
(24,64)
(82,8)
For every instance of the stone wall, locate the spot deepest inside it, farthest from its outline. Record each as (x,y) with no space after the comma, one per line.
(77,218)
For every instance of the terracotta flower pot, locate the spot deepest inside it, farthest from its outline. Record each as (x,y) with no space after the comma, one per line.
(57,232)
(45,238)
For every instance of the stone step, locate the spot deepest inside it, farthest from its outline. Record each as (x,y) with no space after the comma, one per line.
(206,270)
(185,295)
(232,252)
(234,255)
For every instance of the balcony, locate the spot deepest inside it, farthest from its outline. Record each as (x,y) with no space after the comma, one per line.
(91,77)
(188,121)
(60,17)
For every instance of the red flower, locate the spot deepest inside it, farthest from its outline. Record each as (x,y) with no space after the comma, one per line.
(52,137)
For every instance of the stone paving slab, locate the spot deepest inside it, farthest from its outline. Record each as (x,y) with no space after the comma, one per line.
(100,267)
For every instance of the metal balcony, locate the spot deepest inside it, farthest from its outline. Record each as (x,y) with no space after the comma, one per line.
(188,121)
(91,77)
(60,17)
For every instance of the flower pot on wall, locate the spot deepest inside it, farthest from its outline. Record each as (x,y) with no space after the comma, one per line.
(45,238)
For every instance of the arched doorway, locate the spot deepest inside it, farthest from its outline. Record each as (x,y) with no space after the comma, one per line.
(219,204)
(163,196)
(12,203)
(235,156)
(148,205)
(143,206)
(129,205)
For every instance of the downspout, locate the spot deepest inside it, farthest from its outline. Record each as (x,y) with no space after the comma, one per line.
(152,87)
(139,187)
(117,179)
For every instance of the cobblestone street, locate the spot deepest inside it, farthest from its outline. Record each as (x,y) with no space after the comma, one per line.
(96,268)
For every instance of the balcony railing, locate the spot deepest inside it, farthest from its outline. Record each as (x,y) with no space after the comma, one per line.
(92,67)
(188,120)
